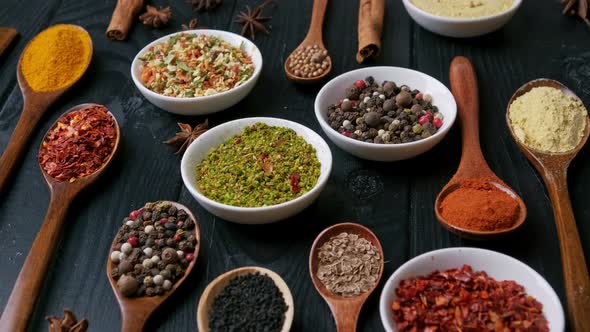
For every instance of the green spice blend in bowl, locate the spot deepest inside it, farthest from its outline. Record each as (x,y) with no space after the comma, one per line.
(264,165)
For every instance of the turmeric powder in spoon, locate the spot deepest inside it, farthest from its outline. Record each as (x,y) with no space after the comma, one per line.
(56,58)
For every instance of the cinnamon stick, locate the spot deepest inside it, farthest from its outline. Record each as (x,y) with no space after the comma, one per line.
(125,13)
(6,37)
(370,27)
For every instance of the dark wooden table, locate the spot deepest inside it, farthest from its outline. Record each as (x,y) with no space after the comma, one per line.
(394,199)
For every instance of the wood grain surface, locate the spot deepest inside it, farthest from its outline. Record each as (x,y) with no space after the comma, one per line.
(395,200)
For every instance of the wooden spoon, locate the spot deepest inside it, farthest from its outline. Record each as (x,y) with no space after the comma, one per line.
(345,310)
(473,165)
(135,311)
(553,169)
(34,106)
(314,37)
(21,303)
(217,285)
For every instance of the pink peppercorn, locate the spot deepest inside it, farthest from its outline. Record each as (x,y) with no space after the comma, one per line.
(437,122)
(360,84)
(164,220)
(133,215)
(180,224)
(346,133)
(419,96)
(133,241)
(423,120)
(189,257)
(177,237)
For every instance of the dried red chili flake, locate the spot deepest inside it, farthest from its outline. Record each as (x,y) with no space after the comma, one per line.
(463,300)
(79,144)
(294,178)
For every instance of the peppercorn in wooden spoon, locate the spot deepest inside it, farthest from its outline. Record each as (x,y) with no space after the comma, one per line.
(66,176)
(474,175)
(553,168)
(310,62)
(50,64)
(150,236)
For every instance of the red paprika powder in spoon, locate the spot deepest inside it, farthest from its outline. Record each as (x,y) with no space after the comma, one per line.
(480,205)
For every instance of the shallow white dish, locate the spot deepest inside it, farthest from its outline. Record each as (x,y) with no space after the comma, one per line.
(496,265)
(205,104)
(198,150)
(334,91)
(460,27)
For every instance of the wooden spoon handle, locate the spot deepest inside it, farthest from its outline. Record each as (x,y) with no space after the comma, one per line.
(464,87)
(317,21)
(27,123)
(133,322)
(575,271)
(346,315)
(21,303)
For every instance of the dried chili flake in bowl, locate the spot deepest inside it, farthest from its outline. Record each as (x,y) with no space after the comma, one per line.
(464,300)
(79,144)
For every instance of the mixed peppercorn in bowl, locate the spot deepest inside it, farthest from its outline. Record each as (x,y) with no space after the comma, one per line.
(385,113)
(197,72)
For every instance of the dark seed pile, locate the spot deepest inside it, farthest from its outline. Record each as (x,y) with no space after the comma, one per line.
(249,303)
(153,249)
(384,114)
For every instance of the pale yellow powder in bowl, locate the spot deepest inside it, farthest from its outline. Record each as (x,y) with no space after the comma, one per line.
(548,120)
(464,8)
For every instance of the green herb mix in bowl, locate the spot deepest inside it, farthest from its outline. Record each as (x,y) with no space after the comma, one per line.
(262,166)
(194,65)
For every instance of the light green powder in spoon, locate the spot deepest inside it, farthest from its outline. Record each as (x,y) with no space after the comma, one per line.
(548,120)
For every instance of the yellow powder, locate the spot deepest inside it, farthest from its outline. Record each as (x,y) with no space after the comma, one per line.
(464,8)
(548,120)
(56,57)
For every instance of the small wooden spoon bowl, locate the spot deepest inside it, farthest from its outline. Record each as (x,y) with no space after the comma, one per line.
(217,285)
(345,310)
(35,104)
(27,287)
(314,37)
(491,178)
(553,168)
(135,311)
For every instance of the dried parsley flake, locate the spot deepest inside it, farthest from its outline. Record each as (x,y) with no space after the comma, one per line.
(264,165)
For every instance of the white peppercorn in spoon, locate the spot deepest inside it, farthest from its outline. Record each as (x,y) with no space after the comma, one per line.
(135,311)
(313,41)
(345,310)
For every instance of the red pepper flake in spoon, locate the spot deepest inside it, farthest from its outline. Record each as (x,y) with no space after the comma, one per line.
(463,300)
(79,144)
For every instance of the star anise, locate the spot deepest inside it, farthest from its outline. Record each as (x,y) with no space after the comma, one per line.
(192,25)
(252,20)
(68,323)
(581,10)
(156,17)
(187,135)
(204,5)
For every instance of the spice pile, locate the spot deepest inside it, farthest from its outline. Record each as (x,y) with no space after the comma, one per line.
(79,144)
(56,58)
(250,302)
(384,113)
(309,61)
(264,165)
(348,265)
(153,249)
(190,65)
(548,120)
(481,206)
(464,300)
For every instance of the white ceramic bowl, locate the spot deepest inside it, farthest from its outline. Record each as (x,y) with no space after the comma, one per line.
(198,150)
(334,91)
(496,265)
(460,27)
(205,104)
